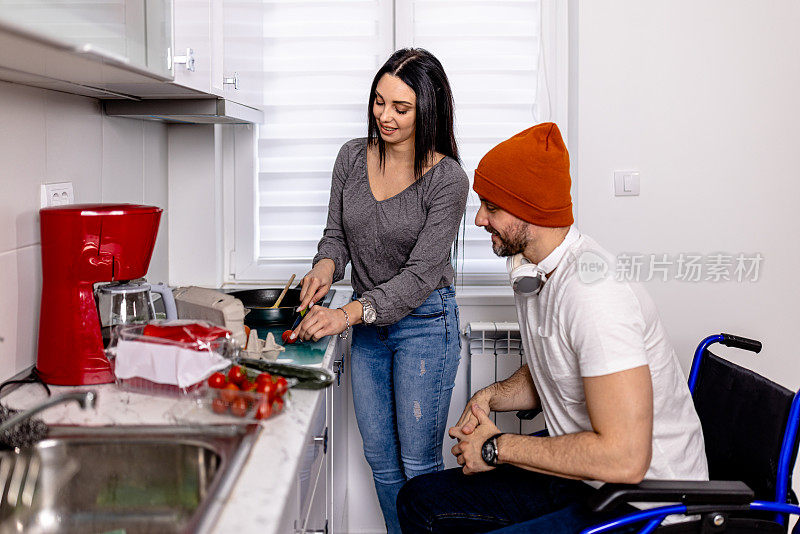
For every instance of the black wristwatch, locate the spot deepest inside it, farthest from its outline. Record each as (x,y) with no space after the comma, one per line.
(489,450)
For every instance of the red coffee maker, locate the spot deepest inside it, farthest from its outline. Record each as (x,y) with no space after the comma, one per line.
(83,244)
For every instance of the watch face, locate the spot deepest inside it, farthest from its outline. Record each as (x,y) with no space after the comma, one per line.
(488,452)
(369,314)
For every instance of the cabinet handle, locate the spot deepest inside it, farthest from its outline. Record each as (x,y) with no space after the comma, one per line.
(338,369)
(323,440)
(234,81)
(187,60)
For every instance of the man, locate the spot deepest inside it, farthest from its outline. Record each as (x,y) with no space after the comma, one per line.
(599,365)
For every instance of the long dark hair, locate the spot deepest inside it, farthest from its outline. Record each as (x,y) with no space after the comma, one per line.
(421,71)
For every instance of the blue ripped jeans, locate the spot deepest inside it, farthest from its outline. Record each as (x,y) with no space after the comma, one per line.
(402,377)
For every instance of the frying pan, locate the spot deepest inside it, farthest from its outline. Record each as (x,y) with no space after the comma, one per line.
(257,301)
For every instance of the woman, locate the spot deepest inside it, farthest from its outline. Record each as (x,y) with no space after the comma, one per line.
(397,199)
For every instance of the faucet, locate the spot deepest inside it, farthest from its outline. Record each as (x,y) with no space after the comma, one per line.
(86,399)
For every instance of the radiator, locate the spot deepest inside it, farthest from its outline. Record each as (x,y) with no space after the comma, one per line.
(495,353)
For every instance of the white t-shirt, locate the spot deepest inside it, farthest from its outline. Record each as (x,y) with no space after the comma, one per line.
(585,323)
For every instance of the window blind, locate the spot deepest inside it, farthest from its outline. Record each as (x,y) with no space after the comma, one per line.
(490,52)
(319,58)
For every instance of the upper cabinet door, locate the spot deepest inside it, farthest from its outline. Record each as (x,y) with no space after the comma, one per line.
(197,37)
(243,58)
(137,33)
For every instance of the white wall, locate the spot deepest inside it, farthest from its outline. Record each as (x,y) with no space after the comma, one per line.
(701,98)
(47,136)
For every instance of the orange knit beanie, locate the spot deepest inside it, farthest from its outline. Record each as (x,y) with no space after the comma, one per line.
(528,176)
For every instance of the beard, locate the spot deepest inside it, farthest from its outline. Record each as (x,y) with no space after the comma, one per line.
(515,242)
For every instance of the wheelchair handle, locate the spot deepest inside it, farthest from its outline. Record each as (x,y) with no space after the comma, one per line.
(744,343)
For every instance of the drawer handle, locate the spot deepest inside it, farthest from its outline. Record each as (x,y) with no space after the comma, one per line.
(338,369)
(322,440)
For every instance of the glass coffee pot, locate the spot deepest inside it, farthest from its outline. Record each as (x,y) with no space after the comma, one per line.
(130,302)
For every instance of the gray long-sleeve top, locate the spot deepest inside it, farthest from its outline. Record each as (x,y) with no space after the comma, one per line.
(399,247)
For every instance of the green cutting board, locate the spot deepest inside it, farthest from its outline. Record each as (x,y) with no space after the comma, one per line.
(301,353)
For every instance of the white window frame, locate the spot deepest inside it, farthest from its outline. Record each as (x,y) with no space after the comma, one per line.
(243,266)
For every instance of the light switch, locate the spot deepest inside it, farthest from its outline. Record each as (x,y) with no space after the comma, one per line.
(626,183)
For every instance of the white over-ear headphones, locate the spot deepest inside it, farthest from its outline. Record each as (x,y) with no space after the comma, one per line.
(527,279)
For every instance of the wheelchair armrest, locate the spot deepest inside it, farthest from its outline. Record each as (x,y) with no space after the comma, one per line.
(528,414)
(690,492)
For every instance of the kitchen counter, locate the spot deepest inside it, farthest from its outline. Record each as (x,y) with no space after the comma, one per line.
(258,499)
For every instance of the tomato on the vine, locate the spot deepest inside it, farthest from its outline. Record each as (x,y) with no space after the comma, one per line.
(267,388)
(263,410)
(219,406)
(229,392)
(239,407)
(217,381)
(281,385)
(264,377)
(236,375)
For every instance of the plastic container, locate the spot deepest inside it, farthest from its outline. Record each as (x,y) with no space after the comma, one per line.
(227,406)
(171,358)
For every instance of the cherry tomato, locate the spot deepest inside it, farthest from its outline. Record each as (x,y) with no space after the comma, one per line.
(263,410)
(217,381)
(236,375)
(264,377)
(281,386)
(229,392)
(287,337)
(239,407)
(219,406)
(277,405)
(268,389)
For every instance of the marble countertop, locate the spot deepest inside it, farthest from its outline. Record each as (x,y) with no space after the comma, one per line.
(257,501)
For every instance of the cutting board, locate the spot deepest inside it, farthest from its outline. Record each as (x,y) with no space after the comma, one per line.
(301,353)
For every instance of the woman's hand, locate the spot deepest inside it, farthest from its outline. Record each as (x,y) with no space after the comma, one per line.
(316,283)
(320,322)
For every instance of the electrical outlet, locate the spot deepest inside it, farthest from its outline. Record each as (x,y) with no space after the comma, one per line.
(58,194)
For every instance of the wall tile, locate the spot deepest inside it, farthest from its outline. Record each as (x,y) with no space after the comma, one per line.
(74,131)
(159,263)
(155,164)
(47,136)
(123,156)
(20,293)
(22,164)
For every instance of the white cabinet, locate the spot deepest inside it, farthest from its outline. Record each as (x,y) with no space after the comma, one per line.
(317,501)
(197,52)
(138,49)
(243,57)
(339,395)
(218,48)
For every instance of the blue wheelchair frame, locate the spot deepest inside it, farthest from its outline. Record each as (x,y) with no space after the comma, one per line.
(654,516)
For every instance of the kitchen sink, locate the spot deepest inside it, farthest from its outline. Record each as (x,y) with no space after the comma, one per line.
(122,479)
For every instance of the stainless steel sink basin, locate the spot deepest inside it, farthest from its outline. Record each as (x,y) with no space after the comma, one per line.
(122,479)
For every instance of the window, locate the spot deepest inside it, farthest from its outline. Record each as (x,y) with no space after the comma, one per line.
(319,60)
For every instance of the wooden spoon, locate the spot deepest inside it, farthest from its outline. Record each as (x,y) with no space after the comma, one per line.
(283,293)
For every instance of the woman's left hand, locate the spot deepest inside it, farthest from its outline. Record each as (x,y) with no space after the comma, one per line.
(320,322)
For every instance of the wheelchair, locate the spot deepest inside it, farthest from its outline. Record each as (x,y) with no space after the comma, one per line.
(750,429)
